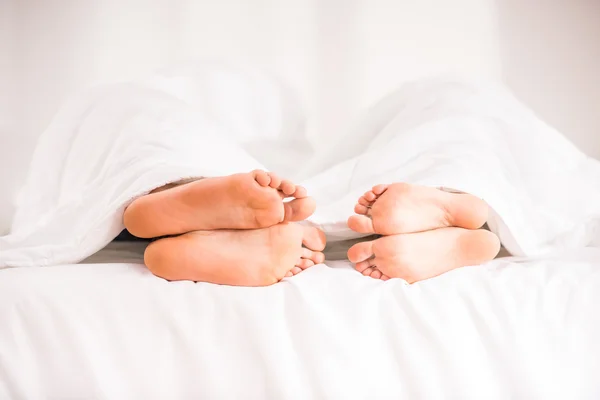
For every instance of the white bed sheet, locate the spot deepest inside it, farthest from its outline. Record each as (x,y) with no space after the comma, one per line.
(509,329)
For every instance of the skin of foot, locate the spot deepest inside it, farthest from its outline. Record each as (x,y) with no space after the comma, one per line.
(426,231)
(257,257)
(405,208)
(418,256)
(241,201)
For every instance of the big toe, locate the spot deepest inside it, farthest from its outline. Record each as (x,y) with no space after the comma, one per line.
(361,224)
(360,252)
(379,189)
(314,239)
(299,209)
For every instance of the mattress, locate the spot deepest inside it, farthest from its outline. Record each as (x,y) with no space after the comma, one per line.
(108,329)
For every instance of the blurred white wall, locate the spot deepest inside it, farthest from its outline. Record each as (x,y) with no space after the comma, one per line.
(8,66)
(551,60)
(11,149)
(339,55)
(65,45)
(369,47)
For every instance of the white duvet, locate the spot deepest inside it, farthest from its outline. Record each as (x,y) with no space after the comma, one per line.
(116,142)
(517,328)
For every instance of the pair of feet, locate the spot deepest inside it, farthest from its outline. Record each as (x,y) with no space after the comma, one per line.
(233,230)
(425,232)
(238,230)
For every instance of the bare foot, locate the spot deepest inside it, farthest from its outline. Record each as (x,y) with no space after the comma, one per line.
(404,208)
(241,201)
(258,257)
(418,256)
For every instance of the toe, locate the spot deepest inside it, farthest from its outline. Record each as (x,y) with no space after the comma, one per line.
(275,180)
(296,270)
(360,209)
(360,252)
(306,253)
(361,224)
(379,189)
(316,257)
(299,209)
(370,196)
(364,202)
(289,274)
(368,271)
(300,192)
(384,277)
(305,263)
(376,274)
(261,177)
(314,238)
(361,266)
(287,187)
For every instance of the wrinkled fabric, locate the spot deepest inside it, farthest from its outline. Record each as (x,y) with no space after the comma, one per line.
(114,143)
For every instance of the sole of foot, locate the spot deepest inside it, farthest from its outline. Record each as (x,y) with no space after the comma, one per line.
(405,208)
(258,257)
(418,256)
(242,201)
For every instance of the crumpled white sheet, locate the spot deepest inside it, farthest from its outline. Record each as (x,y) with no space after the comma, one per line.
(116,142)
(510,329)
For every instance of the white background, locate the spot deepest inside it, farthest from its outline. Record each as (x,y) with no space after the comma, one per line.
(340,55)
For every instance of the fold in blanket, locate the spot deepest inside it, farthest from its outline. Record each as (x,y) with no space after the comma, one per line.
(114,143)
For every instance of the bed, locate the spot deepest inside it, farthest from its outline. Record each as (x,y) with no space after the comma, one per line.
(107,328)
(82,317)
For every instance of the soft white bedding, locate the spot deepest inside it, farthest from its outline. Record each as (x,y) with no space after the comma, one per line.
(113,143)
(509,329)
(515,328)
